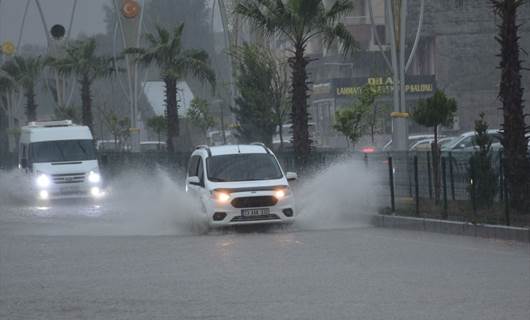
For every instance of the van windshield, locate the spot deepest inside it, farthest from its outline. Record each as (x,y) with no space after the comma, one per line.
(243,167)
(63,150)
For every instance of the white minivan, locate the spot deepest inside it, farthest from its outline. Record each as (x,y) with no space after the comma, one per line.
(60,158)
(240,184)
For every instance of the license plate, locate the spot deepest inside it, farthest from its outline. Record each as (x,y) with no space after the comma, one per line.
(255,212)
(70,189)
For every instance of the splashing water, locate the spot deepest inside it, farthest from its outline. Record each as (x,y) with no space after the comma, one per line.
(141,203)
(153,204)
(13,187)
(341,195)
(137,203)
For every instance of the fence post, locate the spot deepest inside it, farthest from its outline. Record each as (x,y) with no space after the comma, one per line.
(429,174)
(506,199)
(444,182)
(416,185)
(409,171)
(451,176)
(473,190)
(501,177)
(365,158)
(391,179)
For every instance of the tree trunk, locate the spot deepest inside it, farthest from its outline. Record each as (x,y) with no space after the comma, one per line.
(86,102)
(280,131)
(299,115)
(31,106)
(373,124)
(171,114)
(516,163)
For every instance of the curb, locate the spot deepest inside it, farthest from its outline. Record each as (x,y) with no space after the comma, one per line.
(453,227)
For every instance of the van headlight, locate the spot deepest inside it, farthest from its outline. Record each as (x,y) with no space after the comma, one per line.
(220,196)
(94,177)
(43,181)
(281,193)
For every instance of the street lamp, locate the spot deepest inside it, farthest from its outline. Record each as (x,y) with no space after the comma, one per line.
(397,64)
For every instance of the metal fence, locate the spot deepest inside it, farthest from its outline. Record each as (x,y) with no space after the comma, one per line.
(413,188)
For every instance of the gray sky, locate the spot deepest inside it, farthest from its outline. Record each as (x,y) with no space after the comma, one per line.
(88,18)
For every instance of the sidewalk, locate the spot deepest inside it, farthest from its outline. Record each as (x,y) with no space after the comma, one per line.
(453,227)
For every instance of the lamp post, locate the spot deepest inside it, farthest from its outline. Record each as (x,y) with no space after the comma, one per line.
(396,20)
(130,21)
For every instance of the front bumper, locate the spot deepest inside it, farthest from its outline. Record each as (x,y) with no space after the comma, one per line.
(283,211)
(73,190)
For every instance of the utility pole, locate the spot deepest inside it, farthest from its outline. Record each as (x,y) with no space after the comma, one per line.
(396,21)
(130,16)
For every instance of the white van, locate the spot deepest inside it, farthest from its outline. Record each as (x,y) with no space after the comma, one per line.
(240,184)
(61,160)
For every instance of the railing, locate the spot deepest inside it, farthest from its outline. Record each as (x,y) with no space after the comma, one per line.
(464,192)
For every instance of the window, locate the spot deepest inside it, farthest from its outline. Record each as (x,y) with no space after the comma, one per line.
(465,143)
(200,172)
(63,150)
(423,61)
(192,167)
(380,31)
(243,167)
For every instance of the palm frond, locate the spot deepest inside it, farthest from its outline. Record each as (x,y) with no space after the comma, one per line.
(342,35)
(81,59)
(252,12)
(193,62)
(339,9)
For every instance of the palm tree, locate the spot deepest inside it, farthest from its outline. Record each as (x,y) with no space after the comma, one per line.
(175,63)
(7,84)
(81,59)
(515,144)
(25,71)
(299,21)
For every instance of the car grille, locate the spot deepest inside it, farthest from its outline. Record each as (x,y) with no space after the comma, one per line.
(70,193)
(254,202)
(255,218)
(68,178)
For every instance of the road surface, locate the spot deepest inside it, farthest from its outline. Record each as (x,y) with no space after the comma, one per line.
(79,261)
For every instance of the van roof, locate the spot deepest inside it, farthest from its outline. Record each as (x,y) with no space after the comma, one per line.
(236,148)
(33,133)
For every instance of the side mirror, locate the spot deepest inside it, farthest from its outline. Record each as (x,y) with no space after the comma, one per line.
(24,163)
(291,176)
(194,180)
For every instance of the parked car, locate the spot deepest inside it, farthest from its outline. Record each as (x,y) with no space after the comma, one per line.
(112,145)
(466,141)
(240,184)
(152,146)
(425,145)
(412,140)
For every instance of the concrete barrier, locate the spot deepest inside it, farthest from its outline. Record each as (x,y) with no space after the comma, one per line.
(453,227)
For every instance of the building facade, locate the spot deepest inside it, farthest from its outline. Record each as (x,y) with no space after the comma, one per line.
(457,53)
